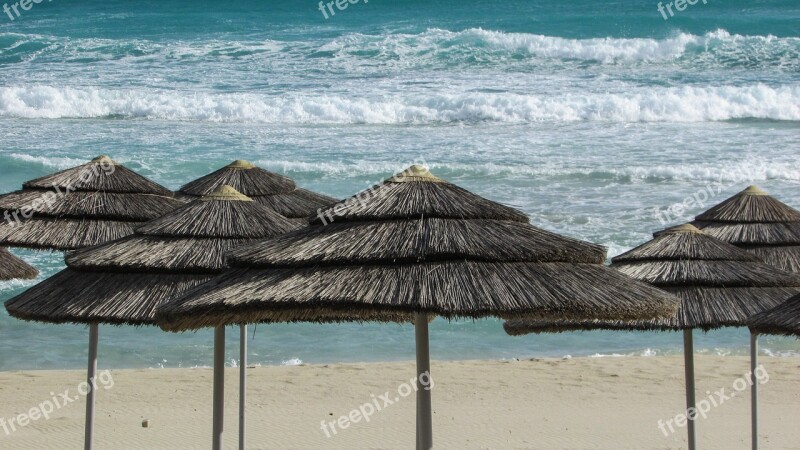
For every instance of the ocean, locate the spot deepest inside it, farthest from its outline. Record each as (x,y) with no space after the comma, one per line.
(594,117)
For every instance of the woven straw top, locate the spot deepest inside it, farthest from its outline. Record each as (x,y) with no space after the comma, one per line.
(104,159)
(415,173)
(226,193)
(241,164)
(685,228)
(754,190)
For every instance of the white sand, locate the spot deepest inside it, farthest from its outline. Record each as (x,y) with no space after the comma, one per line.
(583,403)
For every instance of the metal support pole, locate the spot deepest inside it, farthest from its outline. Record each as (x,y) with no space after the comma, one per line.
(424,415)
(91,373)
(754,388)
(219,386)
(688,355)
(242,382)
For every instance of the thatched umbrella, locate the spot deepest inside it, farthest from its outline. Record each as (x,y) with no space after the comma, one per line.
(12,267)
(416,245)
(86,205)
(268,188)
(761,224)
(123,281)
(783,319)
(719,285)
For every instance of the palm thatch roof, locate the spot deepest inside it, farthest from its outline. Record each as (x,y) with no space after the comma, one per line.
(783,319)
(758,223)
(82,206)
(12,267)
(123,281)
(415,244)
(718,284)
(271,189)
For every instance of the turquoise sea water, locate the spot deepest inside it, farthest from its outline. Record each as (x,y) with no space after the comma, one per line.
(590,116)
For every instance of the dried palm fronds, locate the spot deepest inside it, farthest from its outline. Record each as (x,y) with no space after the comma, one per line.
(416,244)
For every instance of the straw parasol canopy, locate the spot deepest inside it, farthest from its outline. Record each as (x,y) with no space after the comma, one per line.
(82,206)
(271,189)
(12,267)
(783,319)
(123,281)
(758,223)
(417,244)
(719,284)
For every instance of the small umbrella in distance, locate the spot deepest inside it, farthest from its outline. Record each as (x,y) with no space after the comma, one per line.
(268,188)
(275,191)
(759,223)
(82,206)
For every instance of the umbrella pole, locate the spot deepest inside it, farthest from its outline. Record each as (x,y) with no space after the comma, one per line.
(219,385)
(688,355)
(754,388)
(424,416)
(91,373)
(242,382)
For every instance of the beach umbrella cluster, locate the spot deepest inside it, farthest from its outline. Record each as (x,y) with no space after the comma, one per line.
(122,282)
(719,285)
(244,245)
(766,227)
(416,245)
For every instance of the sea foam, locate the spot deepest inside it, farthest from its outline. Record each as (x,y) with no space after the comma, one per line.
(674,104)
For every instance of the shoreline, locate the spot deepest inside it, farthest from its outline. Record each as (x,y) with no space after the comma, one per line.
(297,362)
(540,403)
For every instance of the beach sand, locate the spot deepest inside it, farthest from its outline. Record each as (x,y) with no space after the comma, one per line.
(580,403)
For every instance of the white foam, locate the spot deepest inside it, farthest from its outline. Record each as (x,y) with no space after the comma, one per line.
(602,355)
(720,176)
(780,353)
(677,104)
(292,362)
(59,163)
(437,43)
